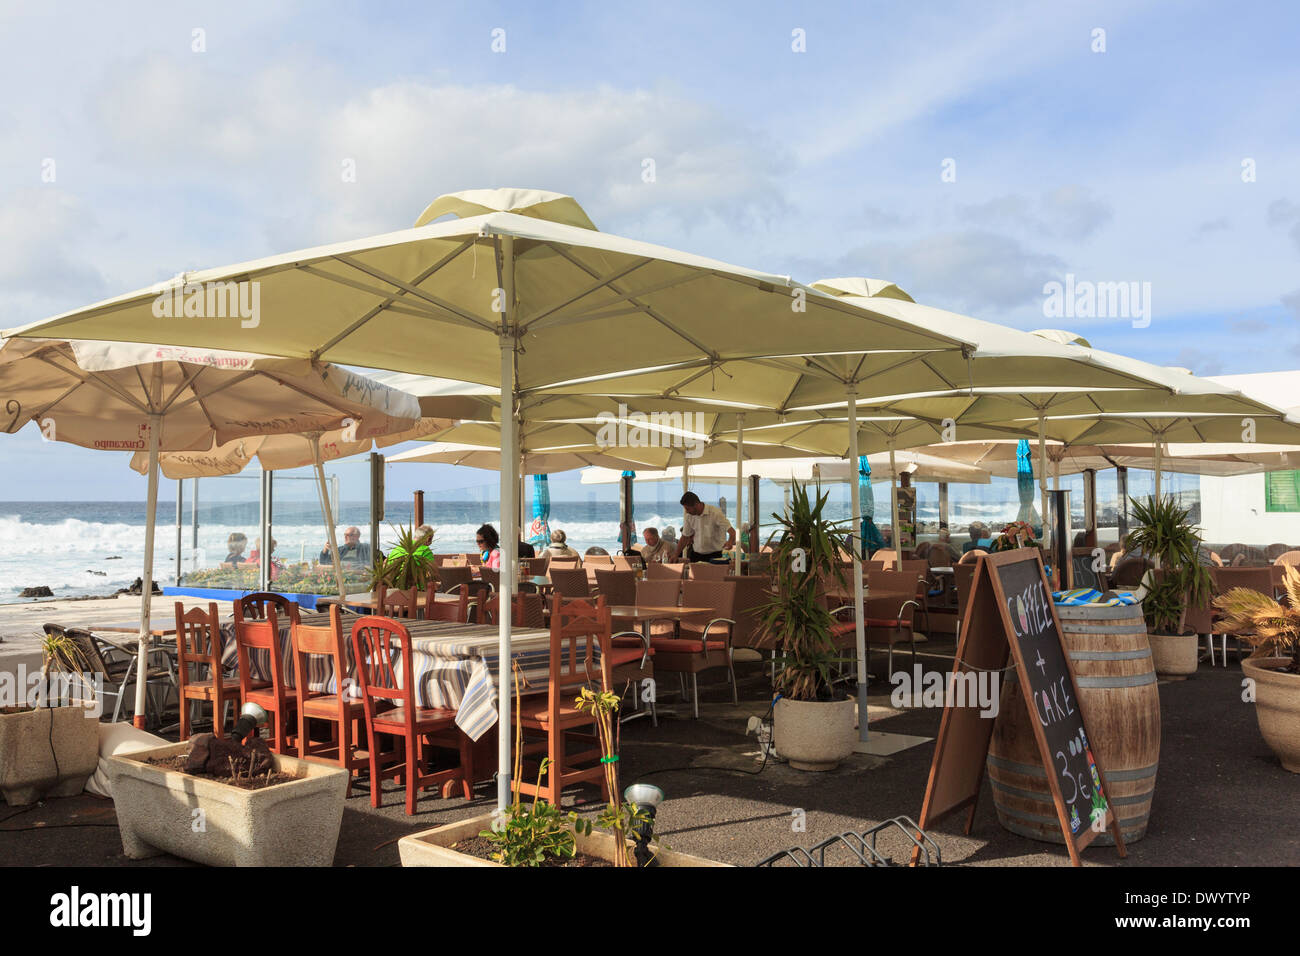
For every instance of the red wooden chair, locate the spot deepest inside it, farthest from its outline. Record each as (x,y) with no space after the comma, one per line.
(344,713)
(198,648)
(396,603)
(580,631)
(253,606)
(385,669)
(457,613)
(273,698)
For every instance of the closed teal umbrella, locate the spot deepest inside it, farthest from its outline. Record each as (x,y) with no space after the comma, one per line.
(872,539)
(1025,482)
(539,532)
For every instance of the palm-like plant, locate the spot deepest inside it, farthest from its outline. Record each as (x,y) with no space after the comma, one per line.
(1270,627)
(409,564)
(805,556)
(1164,534)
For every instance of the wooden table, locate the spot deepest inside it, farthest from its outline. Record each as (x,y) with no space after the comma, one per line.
(645,614)
(158,627)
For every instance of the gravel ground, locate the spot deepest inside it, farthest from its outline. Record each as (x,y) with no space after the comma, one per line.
(1222,798)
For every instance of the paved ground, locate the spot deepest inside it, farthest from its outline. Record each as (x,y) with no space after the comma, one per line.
(1222,799)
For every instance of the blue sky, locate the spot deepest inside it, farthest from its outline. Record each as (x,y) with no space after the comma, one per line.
(1122,165)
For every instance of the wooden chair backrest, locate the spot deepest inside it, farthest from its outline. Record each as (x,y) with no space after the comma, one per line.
(261,635)
(253,606)
(1253,579)
(382,650)
(580,630)
(616,587)
(457,612)
(198,642)
(391,602)
(963,578)
(320,640)
(658,571)
(570,582)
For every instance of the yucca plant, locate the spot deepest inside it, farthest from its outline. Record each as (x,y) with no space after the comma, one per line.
(804,557)
(1270,627)
(1164,534)
(409,563)
(60,654)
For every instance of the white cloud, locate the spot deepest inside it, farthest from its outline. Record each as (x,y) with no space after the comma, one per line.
(1069,212)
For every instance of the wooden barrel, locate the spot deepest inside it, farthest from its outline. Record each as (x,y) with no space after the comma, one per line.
(1120,701)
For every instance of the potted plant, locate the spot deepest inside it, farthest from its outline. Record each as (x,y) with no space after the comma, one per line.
(1178,581)
(1273,630)
(812,726)
(409,563)
(50,746)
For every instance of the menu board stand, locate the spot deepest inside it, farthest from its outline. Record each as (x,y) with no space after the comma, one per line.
(1010,614)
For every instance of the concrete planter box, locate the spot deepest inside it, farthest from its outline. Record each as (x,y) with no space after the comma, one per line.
(290,824)
(1174,656)
(432,847)
(814,735)
(28,768)
(1277,707)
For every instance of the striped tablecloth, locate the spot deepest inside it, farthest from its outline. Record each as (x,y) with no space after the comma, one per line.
(456,666)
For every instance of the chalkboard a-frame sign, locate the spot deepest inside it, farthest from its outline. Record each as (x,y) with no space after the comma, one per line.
(1010,611)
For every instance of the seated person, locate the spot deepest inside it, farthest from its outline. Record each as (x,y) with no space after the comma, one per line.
(526,550)
(558,548)
(655,547)
(235,545)
(255,558)
(351,551)
(489,546)
(979,533)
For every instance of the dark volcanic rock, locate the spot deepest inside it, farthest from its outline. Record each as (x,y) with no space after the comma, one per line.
(40,591)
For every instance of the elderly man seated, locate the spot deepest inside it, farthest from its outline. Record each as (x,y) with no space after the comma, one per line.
(351,551)
(655,547)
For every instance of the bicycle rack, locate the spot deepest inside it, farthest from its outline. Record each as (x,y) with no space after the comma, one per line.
(862,846)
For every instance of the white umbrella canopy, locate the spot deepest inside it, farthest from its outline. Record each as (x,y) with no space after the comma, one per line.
(115,396)
(921,467)
(999,458)
(514,299)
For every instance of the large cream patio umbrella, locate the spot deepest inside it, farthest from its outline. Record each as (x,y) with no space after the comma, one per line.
(518,294)
(156,398)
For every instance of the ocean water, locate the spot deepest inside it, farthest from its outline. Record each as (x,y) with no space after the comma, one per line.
(96,547)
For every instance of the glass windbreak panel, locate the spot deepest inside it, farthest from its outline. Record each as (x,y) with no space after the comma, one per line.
(980,512)
(300,560)
(1108,507)
(221,535)
(1282,491)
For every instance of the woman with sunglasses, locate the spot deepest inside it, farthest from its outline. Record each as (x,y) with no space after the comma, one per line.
(488,541)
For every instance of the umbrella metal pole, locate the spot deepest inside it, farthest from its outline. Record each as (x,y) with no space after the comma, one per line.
(740,482)
(1159,454)
(509,535)
(893,507)
(328,514)
(859,593)
(180,509)
(1042,472)
(146,580)
(194,521)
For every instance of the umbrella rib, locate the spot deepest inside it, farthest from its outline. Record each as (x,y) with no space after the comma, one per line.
(599,284)
(416,291)
(637,309)
(95,379)
(386,295)
(648,310)
(186,382)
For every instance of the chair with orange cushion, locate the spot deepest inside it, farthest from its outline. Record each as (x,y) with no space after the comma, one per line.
(527,610)
(392,602)
(890,610)
(263,636)
(633,662)
(198,650)
(701,646)
(381,648)
(580,633)
(344,712)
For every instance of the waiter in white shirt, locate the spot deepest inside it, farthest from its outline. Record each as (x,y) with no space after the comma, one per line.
(706,532)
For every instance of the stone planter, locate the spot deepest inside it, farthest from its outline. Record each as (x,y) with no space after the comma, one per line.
(1175,655)
(814,734)
(30,769)
(1277,707)
(290,824)
(433,847)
